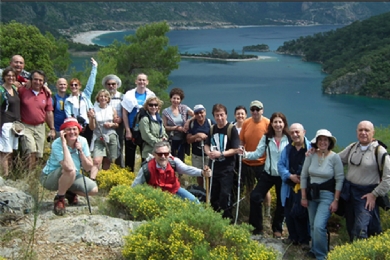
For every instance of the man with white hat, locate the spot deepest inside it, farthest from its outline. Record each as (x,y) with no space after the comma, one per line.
(198,132)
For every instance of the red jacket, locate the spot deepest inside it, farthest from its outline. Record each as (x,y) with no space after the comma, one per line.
(165,179)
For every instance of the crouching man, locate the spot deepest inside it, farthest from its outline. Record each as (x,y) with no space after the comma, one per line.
(69,154)
(160,172)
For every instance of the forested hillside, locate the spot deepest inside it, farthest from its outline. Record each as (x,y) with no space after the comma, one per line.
(84,16)
(357,57)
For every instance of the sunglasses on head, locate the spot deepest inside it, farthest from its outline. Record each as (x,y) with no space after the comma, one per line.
(161,154)
(153,105)
(74,85)
(253,109)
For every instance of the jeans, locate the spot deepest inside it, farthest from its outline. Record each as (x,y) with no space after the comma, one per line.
(185,194)
(319,214)
(361,223)
(298,226)
(264,184)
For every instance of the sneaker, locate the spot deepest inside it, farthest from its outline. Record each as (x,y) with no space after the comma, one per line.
(310,254)
(289,241)
(277,235)
(257,232)
(72,198)
(59,206)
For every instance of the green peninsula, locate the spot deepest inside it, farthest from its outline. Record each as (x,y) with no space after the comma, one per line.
(257,48)
(220,55)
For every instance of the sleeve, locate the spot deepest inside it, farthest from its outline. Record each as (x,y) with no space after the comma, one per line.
(146,131)
(242,133)
(338,171)
(183,168)
(91,82)
(344,154)
(139,179)
(68,107)
(49,104)
(283,165)
(305,171)
(259,150)
(57,150)
(384,186)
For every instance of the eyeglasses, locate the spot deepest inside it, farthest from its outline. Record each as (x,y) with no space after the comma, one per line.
(75,85)
(111,84)
(199,113)
(152,105)
(161,154)
(253,109)
(356,158)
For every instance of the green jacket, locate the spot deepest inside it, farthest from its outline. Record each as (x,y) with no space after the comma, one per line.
(152,131)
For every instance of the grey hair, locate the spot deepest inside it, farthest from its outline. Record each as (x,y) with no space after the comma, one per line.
(161,144)
(112,77)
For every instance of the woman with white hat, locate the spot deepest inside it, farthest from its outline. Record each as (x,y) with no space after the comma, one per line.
(321,182)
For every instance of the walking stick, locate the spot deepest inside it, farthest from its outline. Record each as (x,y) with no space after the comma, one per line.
(239,185)
(85,185)
(205,178)
(212,148)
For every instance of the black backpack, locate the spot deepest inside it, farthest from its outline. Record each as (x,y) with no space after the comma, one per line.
(137,138)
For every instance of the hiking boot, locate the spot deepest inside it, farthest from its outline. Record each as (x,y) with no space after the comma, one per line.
(72,198)
(59,205)
(289,241)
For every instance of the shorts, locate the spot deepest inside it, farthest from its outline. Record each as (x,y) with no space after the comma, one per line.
(50,182)
(33,140)
(197,161)
(100,150)
(8,140)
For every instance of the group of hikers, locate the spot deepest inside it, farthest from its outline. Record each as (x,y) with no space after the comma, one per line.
(251,154)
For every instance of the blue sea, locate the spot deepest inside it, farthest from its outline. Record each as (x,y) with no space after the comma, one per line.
(283,83)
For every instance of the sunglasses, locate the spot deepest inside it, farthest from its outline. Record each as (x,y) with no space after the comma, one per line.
(356,158)
(153,105)
(74,85)
(161,154)
(199,113)
(253,109)
(111,84)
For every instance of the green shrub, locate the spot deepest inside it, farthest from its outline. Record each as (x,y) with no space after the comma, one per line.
(144,202)
(193,232)
(376,247)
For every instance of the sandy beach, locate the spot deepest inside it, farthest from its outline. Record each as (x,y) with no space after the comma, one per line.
(87,37)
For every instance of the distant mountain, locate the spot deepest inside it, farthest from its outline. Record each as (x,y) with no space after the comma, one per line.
(72,17)
(355,56)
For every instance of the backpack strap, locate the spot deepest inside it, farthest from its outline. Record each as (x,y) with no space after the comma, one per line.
(54,99)
(380,165)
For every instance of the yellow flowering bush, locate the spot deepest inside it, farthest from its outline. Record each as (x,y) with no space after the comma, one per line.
(191,231)
(376,247)
(115,176)
(144,202)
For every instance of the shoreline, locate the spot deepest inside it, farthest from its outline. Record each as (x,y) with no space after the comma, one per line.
(87,37)
(210,58)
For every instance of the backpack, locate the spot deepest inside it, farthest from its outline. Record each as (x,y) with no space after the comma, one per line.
(146,171)
(137,138)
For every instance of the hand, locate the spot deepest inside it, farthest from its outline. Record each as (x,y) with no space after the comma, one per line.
(108,124)
(207,171)
(94,62)
(370,203)
(77,145)
(47,89)
(241,150)
(91,113)
(117,120)
(62,136)
(304,203)
(333,206)
(310,152)
(295,178)
(215,154)
(52,134)
(128,134)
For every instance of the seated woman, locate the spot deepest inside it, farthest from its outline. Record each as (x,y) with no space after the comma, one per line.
(62,173)
(174,118)
(322,178)
(105,141)
(151,126)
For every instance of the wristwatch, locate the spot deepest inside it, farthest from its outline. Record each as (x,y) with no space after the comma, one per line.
(222,157)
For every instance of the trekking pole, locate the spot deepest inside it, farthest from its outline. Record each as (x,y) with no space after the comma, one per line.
(207,182)
(202,145)
(85,185)
(239,185)
(212,148)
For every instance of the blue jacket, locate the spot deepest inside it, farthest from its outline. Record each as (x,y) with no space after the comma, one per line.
(284,170)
